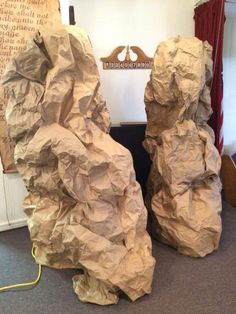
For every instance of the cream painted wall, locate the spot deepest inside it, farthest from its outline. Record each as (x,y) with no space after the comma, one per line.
(145,23)
(64,9)
(229,70)
(110,23)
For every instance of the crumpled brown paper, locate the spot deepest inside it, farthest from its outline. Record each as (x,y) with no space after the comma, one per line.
(183,186)
(84,205)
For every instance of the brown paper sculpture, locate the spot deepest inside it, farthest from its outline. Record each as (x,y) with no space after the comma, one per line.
(84,205)
(183,186)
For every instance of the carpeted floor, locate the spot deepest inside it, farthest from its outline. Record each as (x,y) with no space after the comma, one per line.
(181,285)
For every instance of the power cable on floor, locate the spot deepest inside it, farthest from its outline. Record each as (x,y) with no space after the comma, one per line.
(3,289)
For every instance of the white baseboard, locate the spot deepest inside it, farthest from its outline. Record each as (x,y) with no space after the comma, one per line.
(13,224)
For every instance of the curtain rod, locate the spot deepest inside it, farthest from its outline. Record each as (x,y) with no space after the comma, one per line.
(203,1)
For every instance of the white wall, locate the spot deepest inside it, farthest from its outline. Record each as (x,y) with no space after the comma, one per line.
(144,23)
(64,8)
(229,70)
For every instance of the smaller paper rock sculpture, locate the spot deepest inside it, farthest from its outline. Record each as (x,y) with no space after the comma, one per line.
(183,185)
(85,209)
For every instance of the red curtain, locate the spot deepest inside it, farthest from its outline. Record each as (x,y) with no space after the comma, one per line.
(209,25)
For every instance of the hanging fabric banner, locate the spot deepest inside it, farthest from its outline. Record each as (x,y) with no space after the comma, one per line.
(19,19)
(209,25)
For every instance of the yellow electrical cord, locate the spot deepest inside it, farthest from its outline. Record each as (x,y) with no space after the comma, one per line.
(26,283)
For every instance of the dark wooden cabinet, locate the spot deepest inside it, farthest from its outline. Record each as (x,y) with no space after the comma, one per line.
(131,135)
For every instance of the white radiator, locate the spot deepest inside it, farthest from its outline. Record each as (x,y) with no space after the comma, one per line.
(12,193)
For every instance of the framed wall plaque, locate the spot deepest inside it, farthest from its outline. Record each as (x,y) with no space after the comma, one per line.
(112,62)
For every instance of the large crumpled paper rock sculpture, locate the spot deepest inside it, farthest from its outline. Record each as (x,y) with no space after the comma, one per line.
(183,186)
(84,205)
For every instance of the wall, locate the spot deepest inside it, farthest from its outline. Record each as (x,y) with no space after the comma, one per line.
(64,9)
(111,23)
(200,2)
(229,70)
